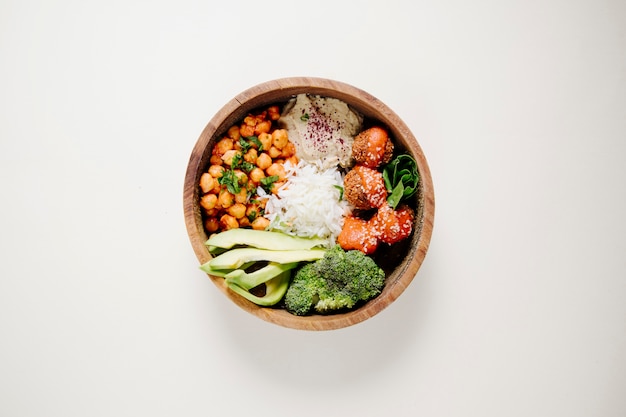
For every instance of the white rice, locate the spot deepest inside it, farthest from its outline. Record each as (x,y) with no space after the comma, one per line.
(309,204)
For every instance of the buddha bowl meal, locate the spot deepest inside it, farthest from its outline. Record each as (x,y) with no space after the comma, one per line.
(308,203)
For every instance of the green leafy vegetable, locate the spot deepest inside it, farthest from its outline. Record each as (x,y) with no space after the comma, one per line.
(401,179)
(268,182)
(340,188)
(257,142)
(240,163)
(230,180)
(247,142)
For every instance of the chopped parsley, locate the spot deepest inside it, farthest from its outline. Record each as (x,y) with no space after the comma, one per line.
(340,188)
(247,142)
(268,182)
(239,163)
(230,180)
(252,215)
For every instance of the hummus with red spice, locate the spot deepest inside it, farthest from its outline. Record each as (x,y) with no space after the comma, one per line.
(322,129)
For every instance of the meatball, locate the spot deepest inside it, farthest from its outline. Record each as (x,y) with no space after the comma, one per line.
(358,234)
(372,147)
(391,225)
(364,188)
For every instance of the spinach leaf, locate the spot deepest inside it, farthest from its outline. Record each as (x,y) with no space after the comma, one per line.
(401,179)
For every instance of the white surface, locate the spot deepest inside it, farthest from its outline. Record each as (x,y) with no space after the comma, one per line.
(518,309)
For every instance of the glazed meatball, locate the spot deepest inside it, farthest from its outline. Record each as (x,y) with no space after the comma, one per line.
(372,147)
(364,188)
(391,225)
(358,234)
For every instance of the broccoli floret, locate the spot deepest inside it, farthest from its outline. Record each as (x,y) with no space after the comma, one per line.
(302,294)
(340,280)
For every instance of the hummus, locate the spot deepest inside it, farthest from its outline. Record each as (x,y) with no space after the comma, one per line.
(322,129)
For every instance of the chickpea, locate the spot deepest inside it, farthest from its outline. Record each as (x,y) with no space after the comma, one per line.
(211,225)
(278,170)
(242,177)
(216,171)
(263,127)
(229,156)
(280,138)
(206,182)
(276,186)
(256,175)
(260,223)
(251,187)
(237,210)
(266,141)
(212,212)
(208,201)
(246,130)
(216,186)
(253,211)
(251,156)
(222,146)
(215,159)
(250,120)
(273,112)
(288,150)
(241,196)
(264,161)
(233,133)
(274,152)
(228,222)
(225,199)
(244,222)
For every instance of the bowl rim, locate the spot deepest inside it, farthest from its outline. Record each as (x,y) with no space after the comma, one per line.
(280,90)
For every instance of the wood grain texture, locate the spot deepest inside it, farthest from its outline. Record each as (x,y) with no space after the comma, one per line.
(279,91)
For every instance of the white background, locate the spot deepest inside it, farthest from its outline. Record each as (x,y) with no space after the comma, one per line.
(518,310)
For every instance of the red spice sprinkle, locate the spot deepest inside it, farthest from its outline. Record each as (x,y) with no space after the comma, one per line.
(322,130)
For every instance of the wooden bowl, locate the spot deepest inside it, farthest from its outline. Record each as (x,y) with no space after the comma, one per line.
(401,263)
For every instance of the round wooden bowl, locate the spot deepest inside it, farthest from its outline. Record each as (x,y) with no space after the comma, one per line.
(401,262)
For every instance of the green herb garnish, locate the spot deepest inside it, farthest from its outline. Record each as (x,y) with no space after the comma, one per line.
(247,142)
(340,188)
(255,140)
(239,163)
(268,182)
(401,178)
(230,180)
(305,117)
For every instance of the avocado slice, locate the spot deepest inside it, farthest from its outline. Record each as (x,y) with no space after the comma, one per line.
(262,239)
(222,272)
(250,280)
(276,288)
(235,258)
